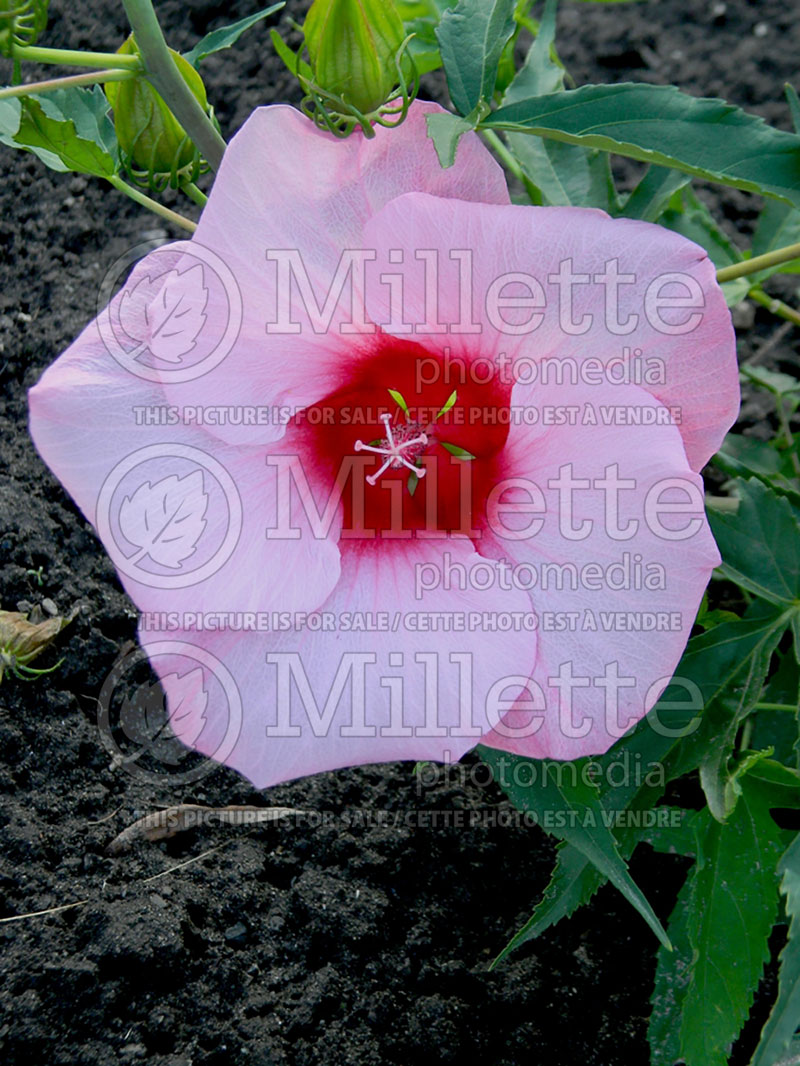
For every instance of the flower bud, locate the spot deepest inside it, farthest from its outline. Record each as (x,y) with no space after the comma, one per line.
(353,47)
(21,22)
(151,139)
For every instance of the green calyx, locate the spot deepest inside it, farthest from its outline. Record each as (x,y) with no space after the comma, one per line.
(351,46)
(155,149)
(360,70)
(21,22)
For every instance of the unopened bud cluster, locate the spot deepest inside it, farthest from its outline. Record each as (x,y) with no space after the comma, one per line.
(155,148)
(360,71)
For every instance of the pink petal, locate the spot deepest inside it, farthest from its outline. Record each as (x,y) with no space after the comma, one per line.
(695,370)
(183,516)
(582,623)
(378,582)
(285,186)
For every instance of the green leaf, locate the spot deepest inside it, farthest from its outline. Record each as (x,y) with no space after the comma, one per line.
(671,982)
(715,618)
(564,174)
(446,130)
(88,109)
(760,544)
(227,35)
(778,785)
(423,46)
(295,65)
(675,736)
(774,728)
(571,810)
(10,115)
(650,197)
(540,73)
(778,226)
(572,884)
(732,907)
(665,745)
(776,383)
(784,684)
(409,9)
(690,217)
(794,106)
(672,839)
(706,138)
(745,457)
(574,879)
(715,666)
(67,130)
(785,1017)
(719,929)
(739,456)
(718,659)
(723,717)
(777,730)
(471,37)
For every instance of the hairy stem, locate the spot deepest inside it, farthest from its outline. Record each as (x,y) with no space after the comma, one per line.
(759,262)
(503,154)
(166,79)
(150,204)
(98,77)
(67,57)
(788,436)
(194,193)
(777,307)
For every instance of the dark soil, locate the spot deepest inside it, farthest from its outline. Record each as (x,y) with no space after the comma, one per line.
(301,943)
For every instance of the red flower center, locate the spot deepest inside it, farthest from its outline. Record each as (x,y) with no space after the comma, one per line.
(407,456)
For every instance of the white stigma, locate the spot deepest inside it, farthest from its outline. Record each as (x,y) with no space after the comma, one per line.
(393,451)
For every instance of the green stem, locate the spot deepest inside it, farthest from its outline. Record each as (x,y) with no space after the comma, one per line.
(194,193)
(723,503)
(503,154)
(777,707)
(96,78)
(777,307)
(166,79)
(67,57)
(759,262)
(747,733)
(783,418)
(151,205)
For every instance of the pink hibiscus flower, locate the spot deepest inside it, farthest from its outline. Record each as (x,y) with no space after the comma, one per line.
(392,466)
